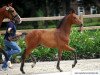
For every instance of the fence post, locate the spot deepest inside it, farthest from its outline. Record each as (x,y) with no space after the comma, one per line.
(81,17)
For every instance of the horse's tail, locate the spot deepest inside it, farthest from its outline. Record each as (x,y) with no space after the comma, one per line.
(23,35)
(4,53)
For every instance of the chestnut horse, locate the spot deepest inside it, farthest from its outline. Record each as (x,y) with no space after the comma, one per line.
(8,12)
(52,38)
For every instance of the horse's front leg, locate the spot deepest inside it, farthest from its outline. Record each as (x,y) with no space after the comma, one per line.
(59,58)
(75,55)
(75,59)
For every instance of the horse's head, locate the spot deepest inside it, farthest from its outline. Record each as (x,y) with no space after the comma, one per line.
(12,14)
(9,12)
(74,19)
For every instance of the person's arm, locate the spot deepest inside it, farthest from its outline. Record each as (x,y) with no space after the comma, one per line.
(9,30)
(13,38)
(10,38)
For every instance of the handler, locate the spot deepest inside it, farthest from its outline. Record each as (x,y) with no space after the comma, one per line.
(11,47)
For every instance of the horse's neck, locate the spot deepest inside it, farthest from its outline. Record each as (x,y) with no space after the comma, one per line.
(1,18)
(66,28)
(2,14)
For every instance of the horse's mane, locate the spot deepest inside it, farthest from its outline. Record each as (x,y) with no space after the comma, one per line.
(59,25)
(68,12)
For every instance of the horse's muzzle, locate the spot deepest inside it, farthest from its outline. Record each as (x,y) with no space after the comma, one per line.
(17,19)
(81,28)
(81,25)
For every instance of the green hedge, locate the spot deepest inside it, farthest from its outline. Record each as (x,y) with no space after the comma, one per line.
(87,45)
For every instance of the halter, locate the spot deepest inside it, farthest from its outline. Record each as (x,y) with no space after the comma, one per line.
(14,17)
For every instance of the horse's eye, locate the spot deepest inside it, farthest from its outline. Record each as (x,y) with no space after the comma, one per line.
(11,10)
(74,17)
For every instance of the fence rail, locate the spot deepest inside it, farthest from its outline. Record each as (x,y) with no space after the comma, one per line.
(55,18)
(28,30)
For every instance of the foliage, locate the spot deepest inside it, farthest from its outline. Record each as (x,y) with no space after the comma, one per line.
(44,54)
(91,21)
(87,45)
(40,13)
(1,40)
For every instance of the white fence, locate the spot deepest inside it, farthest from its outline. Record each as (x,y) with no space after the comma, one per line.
(53,18)
(56,18)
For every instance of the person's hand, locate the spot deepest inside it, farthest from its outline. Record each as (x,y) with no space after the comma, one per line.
(10,38)
(13,38)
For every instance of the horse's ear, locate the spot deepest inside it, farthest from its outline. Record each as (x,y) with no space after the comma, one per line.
(72,11)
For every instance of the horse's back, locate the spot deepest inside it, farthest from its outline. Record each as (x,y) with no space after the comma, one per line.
(42,36)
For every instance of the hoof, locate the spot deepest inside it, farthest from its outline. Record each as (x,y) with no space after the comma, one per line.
(59,69)
(33,65)
(22,71)
(73,66)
